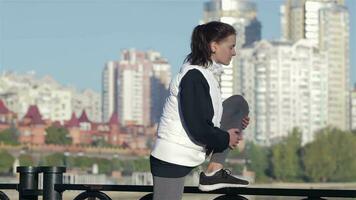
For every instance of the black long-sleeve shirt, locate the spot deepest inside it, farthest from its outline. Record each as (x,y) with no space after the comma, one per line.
(197,110)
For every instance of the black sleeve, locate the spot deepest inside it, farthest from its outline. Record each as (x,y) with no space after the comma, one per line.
(197,110)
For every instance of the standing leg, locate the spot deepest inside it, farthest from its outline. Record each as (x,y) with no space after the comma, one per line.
(168,188)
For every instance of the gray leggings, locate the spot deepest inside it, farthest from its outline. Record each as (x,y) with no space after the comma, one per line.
(168,188)
(172,188)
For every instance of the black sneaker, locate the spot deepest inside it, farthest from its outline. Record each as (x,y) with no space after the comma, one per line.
(220,179)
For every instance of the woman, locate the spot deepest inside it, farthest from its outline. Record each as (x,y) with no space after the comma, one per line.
(189,126)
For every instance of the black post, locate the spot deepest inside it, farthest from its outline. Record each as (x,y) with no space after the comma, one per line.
(52,176)
(28,182)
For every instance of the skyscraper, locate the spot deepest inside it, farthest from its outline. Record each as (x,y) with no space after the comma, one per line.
(325,23)
(241,14)
(285,85)
(109,87)
(160,79)
(135,87)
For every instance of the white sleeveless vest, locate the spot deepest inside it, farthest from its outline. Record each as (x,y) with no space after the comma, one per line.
(173,144)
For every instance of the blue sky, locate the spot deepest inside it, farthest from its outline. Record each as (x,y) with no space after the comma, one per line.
(71,40)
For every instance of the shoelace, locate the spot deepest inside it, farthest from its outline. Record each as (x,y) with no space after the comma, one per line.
(226,173)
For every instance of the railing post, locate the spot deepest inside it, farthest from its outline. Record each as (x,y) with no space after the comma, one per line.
(52,176)
(28,181)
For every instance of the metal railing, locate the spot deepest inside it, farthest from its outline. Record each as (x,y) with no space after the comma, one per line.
(53,188)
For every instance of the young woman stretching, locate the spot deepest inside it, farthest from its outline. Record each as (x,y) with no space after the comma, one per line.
(189,125)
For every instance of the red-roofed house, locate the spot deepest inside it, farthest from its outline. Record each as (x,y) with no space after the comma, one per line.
(33,116)
(6,116)
(32,127)
(107,132)
(85,127)
(83,117)
(73,122)
(113,134)
(84,122)
(114,130)
(73,127)
(3,108)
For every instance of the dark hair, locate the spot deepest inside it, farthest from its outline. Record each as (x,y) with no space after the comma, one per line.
(202,36)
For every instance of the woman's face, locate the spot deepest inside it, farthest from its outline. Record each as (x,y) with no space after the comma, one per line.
(224,50)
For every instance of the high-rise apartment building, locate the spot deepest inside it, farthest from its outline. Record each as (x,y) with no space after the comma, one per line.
(109,90)
(241,14)
(134,71)
(285,85)
(159,82)
(325,23)
(19,92)
(88,101)
(136,86)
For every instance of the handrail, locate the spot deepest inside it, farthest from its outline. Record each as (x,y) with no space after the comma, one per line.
(54,188)
(230,191)
(6,186)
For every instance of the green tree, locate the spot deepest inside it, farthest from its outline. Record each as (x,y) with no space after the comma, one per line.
(141,165)
(117,164)
(105,166)
(57,135)
(129,166)
(330,157)
(56,159)
(285,160)
(9,136)
(345,154)
(26,160)
(319,162)
(6,161)
(257,160)
(82,162)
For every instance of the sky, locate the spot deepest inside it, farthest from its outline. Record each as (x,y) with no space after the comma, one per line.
(71,40)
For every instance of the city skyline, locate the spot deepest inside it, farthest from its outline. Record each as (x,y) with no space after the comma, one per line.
(92,33)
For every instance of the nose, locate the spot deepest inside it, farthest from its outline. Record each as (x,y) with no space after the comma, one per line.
(234,52)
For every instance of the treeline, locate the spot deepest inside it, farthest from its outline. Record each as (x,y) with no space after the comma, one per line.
(84,163)
(331,157)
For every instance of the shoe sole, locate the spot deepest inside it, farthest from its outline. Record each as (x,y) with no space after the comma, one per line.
(207,188)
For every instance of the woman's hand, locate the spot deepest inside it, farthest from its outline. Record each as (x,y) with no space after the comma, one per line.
(245,122)
(235,137)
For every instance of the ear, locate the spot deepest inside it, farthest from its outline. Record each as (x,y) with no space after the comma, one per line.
(213,46)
